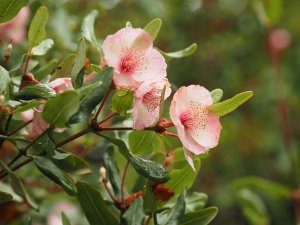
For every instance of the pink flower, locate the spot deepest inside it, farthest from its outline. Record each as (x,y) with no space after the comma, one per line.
(54,217)
(38,124)
(197,127)
(146,108)
(130,52)
(15,29)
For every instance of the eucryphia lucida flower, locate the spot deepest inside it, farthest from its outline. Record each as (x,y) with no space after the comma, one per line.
(197,127)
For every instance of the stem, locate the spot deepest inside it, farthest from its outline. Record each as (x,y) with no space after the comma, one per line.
(123,180)
(104,181)
(108,117)
(7,123)
(23,163)
(170,134)
(73,137)
(148,219)
(102,104)
(19,128)
(115,128)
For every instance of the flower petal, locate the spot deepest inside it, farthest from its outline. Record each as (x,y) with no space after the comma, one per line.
(189,159)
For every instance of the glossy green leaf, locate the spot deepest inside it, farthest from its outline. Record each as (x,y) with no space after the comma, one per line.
(183,178)
(64,69)
(79,62)
(135,213)
(37,33)
(35,91)
(18,186)
(65,219)
(4,80)
(261,185)
(24,106)
(149,201)
(229,105)
(5,197)
(122,101)
(195,201)
(149,169)
(177,211)
(153,27)
(217,95)
(43,47)
(58,110)
(10,8)
(94,206)
(95,68)
(50,170)
(45,70)
(201,217)
(87,29)
(112,172)
(181,53)
(141,141)
(69,162)
(91,94)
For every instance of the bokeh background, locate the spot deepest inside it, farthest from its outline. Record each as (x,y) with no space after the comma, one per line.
(237,51)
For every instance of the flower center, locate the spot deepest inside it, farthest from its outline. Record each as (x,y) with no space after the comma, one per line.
(195,117)
(152,99)
(131,60)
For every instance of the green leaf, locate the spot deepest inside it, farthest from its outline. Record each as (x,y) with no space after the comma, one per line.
(177,211)
(229,105)
(95,68)
(87,29)
(135,213)
(149,169)
(24,106)
(141,141)
(19,186)
(79,62)
(35,91)
(153,27)
(253,207)
(128,24)
(181,53)
(58,110)
(217,95)
(69,162)
(201,217)
(273,10)
(10,8)
(37,33)
(43,47)
(94,206)
(195,201)
(4,80)
(50,170)
(183,178)
(271,188)
(65,219)
(113,174)
(122,101)
(91,94)
(64,69)
(149,202)
(5,197)
(45,70)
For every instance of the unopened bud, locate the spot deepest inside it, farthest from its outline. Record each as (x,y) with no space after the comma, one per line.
(102,172)
(2,99)
(8,49)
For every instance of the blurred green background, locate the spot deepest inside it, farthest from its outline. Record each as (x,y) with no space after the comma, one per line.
(234,55)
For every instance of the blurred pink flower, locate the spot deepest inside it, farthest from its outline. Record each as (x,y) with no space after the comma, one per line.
(197,127)
(54,217)
(279,39)
(15,29)
(130,52)
(38,125)
(147,102)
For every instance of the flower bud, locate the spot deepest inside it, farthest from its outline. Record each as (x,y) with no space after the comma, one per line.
(2,99)
(102,172)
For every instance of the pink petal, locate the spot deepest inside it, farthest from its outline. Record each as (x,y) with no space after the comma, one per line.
(189,159)
(197,93)
(61,84)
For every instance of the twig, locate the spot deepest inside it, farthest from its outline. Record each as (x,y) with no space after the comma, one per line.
(108,117)
(73,137)
(19,128)
(123,180)
(115,128)
(102,104)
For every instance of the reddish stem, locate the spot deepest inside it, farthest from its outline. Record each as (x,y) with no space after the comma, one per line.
(107,118)
(170,134)
(115,128)
(102,103)
(123,180)
(105,181)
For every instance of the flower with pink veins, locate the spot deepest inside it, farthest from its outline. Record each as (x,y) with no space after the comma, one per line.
(148,99)
(15,29)
(130,52)
(38,125)
(197,127)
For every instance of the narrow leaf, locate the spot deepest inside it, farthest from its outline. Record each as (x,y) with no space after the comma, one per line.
(4,79)
(50,170)
(201,217)
(43,47)
(94,206)
(37,33)
(35,91)
(177,211)
(181,53)
(217,95)
(24,106)
(79,62)
(10,8)
(135,213)
(229,105)
(45,70)
(58,110)
(87,29)
(153,27)
(65,219)
(64,69)
(5,197)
